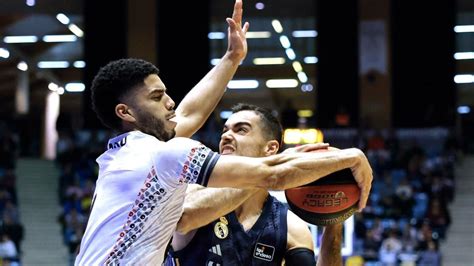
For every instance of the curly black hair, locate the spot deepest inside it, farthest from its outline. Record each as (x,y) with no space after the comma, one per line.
(271,125)
(112,82)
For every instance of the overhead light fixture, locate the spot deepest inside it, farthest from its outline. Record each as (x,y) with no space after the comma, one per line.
(307,87)
(269,61)
(79,64)
(304,33)
(302,77)
(297,66)
(277,26)
(285,42)
(464,78)
(259,5)
(310,60)
(53,64)
(243,84)
(290,53)
(60,91)
(60,38)
(464,28)
(281,83)
(63,18)
(225,114)
(30,2)
(215,61)
(464,55)
(76,30)
(258,34)
(23,66)
(53,86)
(305,113)
(216,35)
(464,109)
(75,87)
(4,53)
(20,39)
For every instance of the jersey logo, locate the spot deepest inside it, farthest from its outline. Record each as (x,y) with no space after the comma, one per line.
(221,230)
(264,252)
(117,144)
(211,263)
(216,250)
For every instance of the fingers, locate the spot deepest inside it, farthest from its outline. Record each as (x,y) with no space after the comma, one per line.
(237,15)
(364,195)
(232,24)
(246,27)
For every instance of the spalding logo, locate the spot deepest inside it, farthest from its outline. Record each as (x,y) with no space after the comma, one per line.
(325,199)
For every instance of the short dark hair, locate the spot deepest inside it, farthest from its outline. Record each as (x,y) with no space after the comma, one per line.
(112,82)
(271,125)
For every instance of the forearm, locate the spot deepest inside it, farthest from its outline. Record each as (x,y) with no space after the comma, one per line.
(204,205)
(199,103)
(330,251)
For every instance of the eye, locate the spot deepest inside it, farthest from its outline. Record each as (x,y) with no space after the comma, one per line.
(157,98)
(242,130)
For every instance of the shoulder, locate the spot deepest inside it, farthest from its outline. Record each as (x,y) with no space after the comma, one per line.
(299,235)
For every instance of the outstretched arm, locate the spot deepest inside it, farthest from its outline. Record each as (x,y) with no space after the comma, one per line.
(204,205)
(282,171)
(199,103)
(330,252)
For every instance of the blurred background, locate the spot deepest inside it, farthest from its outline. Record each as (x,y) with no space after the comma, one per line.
(392,77)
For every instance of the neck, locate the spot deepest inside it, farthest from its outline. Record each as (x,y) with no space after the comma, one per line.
(250,210)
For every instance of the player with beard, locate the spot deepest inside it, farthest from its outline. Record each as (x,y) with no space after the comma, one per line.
(261,230)
(144,173)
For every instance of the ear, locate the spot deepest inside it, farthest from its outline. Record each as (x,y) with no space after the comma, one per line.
(124,113)
(272,147)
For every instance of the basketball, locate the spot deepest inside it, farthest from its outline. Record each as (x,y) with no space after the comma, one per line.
(329,200)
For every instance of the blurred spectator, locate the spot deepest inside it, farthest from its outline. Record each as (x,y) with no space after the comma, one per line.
(431,256)
(8,251)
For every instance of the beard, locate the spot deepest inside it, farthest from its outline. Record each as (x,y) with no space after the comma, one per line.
(149,124)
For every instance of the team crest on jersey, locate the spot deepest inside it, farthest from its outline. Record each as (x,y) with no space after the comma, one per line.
(221,230)
(224,220)
(264,252)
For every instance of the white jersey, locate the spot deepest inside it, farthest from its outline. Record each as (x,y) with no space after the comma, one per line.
(139,198)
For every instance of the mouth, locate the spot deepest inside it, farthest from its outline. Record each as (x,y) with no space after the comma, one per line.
(171,117)
(227,149)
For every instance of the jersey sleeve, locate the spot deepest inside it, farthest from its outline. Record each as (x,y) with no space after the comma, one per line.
(189,160)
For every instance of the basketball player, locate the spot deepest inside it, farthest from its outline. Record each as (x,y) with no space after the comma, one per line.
(261,231)
(144,173)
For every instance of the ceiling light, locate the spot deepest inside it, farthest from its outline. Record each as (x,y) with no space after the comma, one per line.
(4,53)
(464,78)
(258,34)
(464,55)
(290,53)
(259,5)
(302,77)
(79,64)
(310,60)
(464,109)
(297,66)
(76,30)
(243,84)
(464,28)
(20,39)
(75,87)
(304,33)
(53,64)
(30,2)
(269,61)
(53,86)
(59,38)
(277,26)
(22,66)
(281,83)
(216,35)
(285,42)
(63,18)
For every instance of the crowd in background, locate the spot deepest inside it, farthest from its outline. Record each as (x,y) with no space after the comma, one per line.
(406,219)
(11,228)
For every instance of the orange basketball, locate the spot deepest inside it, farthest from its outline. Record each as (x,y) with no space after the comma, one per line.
(329,200)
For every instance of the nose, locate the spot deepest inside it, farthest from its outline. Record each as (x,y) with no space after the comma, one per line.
(170,103)
(226,136)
